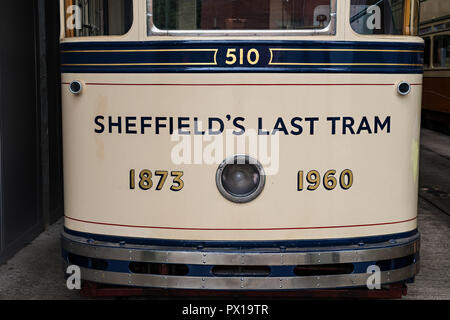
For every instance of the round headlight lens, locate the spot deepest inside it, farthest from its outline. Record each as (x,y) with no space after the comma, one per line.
(240,179)
(75,87)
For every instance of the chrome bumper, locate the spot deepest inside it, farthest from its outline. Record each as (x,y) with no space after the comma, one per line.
(398,260)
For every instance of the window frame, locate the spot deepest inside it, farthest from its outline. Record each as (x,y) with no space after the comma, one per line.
(434,50)
(134,25)
(431,35)
(414,4)
(152,30)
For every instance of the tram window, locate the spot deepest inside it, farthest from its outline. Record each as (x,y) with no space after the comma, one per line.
(441,54)
(240,14)
(426,53)
(90,18)
(425,30)
(394,17)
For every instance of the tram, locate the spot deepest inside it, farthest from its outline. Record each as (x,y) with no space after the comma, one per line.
(435,30)
(241,145)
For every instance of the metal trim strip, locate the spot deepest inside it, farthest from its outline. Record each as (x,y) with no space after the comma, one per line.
(228,256)
(245,283)
(298,243)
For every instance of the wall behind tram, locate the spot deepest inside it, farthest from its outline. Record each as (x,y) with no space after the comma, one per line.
(30,179)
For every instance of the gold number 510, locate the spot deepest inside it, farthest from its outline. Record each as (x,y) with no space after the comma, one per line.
(232,58)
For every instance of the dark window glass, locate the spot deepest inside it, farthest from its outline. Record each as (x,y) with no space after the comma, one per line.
(240,14)
(441,51)
(384,16)
(426,30)
(426,53)
(89,18)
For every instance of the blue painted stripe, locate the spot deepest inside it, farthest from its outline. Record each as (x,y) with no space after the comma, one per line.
(244,244)
(211,56)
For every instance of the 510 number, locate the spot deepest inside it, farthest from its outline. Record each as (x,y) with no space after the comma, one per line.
(232,56)
(329,182)
(145,179)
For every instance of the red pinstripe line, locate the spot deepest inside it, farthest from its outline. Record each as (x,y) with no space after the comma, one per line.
(240,84)
(224,229)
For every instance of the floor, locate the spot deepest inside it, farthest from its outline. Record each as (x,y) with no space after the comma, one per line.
(36,271)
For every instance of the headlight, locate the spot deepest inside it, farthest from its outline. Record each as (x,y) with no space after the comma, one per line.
(240,178)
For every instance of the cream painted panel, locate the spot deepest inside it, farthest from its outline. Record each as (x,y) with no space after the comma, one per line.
(96,166)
